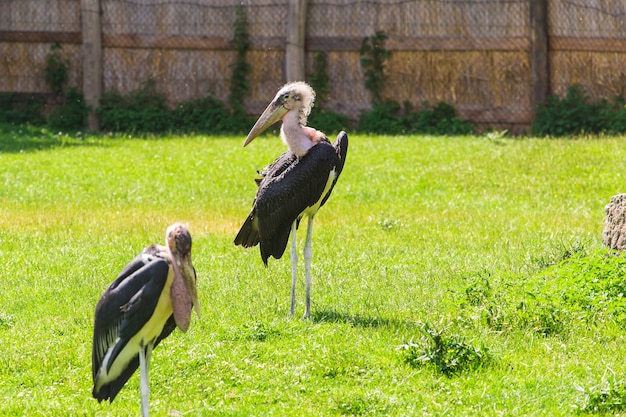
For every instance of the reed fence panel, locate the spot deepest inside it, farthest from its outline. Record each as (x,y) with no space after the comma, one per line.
(474,54)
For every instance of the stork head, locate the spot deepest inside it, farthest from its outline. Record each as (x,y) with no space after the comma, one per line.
(183,292)
(295,97)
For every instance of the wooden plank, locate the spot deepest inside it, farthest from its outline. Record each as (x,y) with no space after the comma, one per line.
(539,63)
(295,48)
(320,43)
(571,43)
(212,43)
(92,58)
(40,36)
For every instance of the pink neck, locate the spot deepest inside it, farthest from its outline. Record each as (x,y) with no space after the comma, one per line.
(299,139)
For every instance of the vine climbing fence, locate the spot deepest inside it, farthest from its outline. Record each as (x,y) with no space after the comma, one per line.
(494,60)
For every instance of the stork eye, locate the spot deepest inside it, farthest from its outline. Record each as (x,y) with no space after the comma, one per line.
(284,98)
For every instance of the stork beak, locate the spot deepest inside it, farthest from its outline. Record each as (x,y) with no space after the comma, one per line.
(272,113)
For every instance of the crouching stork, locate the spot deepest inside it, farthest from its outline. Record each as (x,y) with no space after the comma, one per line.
(294,186)
(153,295)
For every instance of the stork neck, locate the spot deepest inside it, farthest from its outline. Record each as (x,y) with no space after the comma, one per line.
(294,135)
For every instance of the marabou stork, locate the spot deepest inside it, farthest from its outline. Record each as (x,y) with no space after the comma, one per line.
(297,184)
(152,295)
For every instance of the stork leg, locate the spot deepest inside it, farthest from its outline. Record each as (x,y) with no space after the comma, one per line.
(294,266)
(144,369)
(308,257)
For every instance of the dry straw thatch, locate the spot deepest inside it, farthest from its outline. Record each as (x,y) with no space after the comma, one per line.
(472,54)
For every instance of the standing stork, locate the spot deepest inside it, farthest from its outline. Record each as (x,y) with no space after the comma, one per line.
(296,185)
(152,295)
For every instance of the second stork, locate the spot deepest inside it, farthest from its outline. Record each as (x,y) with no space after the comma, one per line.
(296,185)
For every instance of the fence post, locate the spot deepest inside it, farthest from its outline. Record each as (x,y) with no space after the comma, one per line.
(92,57)
(296,33)
(539,64)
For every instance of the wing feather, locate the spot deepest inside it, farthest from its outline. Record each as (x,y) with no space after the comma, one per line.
(289,187)
(121,310)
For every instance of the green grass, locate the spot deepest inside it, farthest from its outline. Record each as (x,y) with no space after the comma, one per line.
(493,246)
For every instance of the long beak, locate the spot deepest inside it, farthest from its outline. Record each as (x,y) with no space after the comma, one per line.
(271,115)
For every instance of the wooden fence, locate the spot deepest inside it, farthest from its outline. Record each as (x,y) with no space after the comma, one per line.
(494,60)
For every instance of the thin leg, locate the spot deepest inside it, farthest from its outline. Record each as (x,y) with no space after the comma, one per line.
(294,267)
(144,369)
(308,257)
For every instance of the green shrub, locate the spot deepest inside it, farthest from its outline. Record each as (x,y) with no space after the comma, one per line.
(390,118)
(18,108)
(71,114)
(141,110)
(207,115)
(591,285)
(383,118)
(328,121)
(438,120)
(575,114)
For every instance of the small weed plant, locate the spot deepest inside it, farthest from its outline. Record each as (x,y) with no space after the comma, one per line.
(448,355)
(608,398)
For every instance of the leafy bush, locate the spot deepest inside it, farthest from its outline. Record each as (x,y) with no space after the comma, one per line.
(383,118)
(575,114)
(437,120)
(328,121)
(141,110)
(390,118)
(201,115)
(590,285)
(18,108)
(71,114)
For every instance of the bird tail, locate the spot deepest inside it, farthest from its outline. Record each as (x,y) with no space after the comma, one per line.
(248,235)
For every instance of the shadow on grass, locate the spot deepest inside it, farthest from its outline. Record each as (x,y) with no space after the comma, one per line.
(358,320)
(27,138)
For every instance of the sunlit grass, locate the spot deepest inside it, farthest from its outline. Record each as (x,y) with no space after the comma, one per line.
(419,230)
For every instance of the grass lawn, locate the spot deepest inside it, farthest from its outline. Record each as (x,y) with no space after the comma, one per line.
(451,276)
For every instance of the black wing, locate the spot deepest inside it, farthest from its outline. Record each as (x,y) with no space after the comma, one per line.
(122,311)
(285,194)
(248,235)
(341,148)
